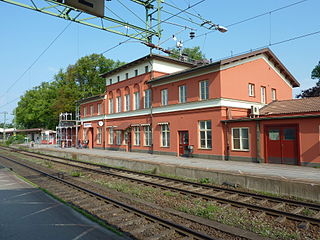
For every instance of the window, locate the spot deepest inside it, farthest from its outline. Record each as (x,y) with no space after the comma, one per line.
(136,72)
(147,98)
(204,89)
(251,90)
(136,136)
(164,97)
(111,107)
(91,109)
(165,135)
(118,137)
(274,94)
(111,136)
(99,108)
(110,81)
(99,135)
(263,94)
(147,136)
(127,102)
(126,136)
(118,106)
(84,111)
(240,139)
(136,100)
(127,75)
(118,78)
(146,69)
(182,94)
(205,134)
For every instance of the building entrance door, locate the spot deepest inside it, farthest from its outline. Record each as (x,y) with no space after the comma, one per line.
(282,145)
(183,143)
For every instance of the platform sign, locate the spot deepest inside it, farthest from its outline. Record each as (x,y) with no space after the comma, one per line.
(94,7)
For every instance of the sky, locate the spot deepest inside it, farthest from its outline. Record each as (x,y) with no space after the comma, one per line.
(35,46)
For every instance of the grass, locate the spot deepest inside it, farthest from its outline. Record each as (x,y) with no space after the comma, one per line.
(76,173)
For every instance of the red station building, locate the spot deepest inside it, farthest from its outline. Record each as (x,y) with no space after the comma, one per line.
(240,108)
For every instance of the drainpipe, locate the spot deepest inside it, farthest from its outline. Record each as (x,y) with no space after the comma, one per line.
(258,156)
(227,142)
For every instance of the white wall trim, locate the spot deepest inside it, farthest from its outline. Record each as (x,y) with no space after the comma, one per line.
(218,102)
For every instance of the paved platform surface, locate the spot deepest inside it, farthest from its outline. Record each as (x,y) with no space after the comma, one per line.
(279,171)
(28,213)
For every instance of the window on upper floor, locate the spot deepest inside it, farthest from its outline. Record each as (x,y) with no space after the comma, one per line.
(240,139)
(136,72)
(118,78)
(110,81)
(251,90)
(127,102)
(182,94)
(85,111)
(127,75)
(99,108)
(205,134)
(274,94)
(204,89)
(164,97)
(147,98)
(146,69)
(136,100)
(263,95)
(111,106)
(91,109)
(118,104)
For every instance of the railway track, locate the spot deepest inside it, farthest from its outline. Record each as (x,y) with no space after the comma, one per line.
(140,224)
(282,209)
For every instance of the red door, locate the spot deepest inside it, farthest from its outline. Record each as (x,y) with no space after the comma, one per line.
(282,145)
(183,143)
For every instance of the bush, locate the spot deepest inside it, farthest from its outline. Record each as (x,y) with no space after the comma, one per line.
(19,138)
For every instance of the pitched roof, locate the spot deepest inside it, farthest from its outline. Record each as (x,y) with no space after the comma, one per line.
(303,105)
(272,57)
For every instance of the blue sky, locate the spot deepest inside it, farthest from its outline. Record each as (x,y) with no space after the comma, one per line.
(25,34)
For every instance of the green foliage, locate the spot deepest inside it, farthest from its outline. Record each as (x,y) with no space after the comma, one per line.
(40,106)
(313,91)
(192,53)
(15,139)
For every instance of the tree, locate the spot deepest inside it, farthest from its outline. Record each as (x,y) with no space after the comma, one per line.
(192,53)
(313,91)
(40,107)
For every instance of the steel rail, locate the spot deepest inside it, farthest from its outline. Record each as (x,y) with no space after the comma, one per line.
(179,228)
(209,187)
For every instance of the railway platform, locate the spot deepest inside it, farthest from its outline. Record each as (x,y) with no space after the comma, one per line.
(296,181)
(28,213)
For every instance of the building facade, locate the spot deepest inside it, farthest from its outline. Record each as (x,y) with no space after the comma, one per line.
(160,105)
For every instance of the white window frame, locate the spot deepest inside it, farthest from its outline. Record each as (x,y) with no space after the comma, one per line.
(118,137)
(206,130)
(182,94)
(99,108)
(165,135)
(111,136)
(164,97)
(251,90)
(147,136)
(274,94)
(118,104)
(136,72)
(136,100)
(99,135)
(204,89)
(85,111)
(127,102)
(147,98)
(91,109)
(111,106)
(263,95)
(136,131)
(241,138)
